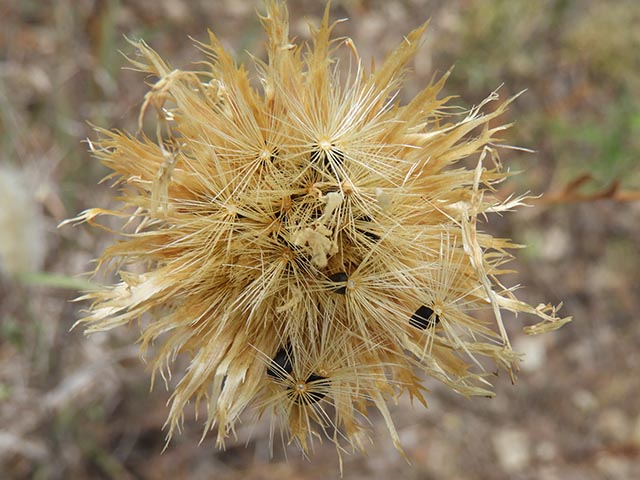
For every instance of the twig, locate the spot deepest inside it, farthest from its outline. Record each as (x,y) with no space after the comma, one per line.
(571,194)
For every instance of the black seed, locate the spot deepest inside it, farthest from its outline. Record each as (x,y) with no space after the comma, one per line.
(340,277)
(315,396)
(370,235)
(281,363)
(280,215)
(423,318)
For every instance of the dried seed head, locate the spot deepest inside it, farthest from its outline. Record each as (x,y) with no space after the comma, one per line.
(249,201)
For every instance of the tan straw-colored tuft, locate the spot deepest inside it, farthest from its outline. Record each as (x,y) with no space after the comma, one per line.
(311,246)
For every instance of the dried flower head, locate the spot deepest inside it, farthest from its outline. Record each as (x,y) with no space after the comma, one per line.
(312,245)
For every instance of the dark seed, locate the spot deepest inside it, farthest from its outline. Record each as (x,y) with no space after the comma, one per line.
(370,235)
(340,277)
(315,396)
(280,215)
(424,318)
(282,363)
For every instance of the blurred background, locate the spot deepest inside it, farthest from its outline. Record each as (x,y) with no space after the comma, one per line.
(78,408)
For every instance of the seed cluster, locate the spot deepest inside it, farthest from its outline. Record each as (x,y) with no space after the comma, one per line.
(311,247)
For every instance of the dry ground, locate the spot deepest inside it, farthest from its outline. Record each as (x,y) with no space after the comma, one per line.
(75,408)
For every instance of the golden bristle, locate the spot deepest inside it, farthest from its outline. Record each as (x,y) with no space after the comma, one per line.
(311,246)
